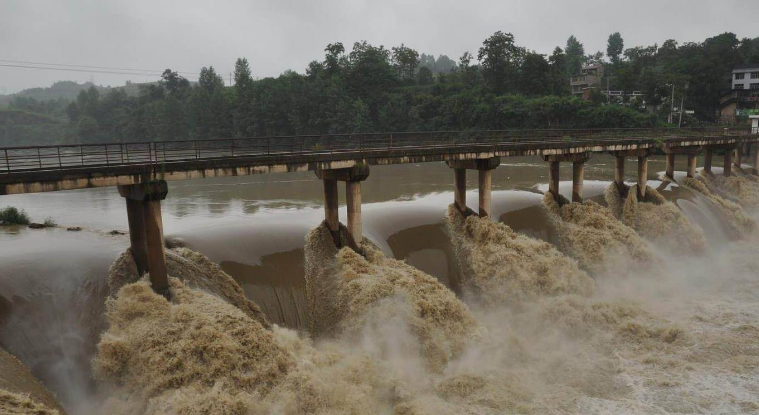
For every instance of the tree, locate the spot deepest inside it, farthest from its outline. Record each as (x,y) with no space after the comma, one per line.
(174,83)
(465,60)
(575,53)
(500,58)
(427,61)
(533,75)
(444,64)
(209,80)
(405,61)
(370,74)
(558,81)
(424,77)
(614,47)
(87,128)
(595,58)
(333,57)
(244,116)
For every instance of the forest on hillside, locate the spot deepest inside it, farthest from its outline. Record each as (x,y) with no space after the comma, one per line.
(372,88)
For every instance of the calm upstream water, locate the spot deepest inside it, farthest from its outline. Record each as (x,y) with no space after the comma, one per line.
(52,281)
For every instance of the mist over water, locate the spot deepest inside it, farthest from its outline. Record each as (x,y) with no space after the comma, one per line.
(558,309)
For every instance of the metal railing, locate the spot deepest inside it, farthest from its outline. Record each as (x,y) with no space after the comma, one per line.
(61,157)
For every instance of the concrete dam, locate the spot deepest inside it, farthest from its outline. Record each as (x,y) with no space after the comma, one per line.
(622,287)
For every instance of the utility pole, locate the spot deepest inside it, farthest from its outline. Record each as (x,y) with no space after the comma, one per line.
(672,104)
(682,104)
(608,92)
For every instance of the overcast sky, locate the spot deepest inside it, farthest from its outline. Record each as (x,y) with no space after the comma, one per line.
(276,35)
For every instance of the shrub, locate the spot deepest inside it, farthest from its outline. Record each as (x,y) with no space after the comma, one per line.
(50,223)
(12,216)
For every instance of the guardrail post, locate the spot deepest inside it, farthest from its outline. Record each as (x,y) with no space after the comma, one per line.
(107,161)
(268,146)
(81,154)
(60,164)
(7,162)
(233,147)
(39,157)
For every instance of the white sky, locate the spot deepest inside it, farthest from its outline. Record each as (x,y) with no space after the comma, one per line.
(276,35)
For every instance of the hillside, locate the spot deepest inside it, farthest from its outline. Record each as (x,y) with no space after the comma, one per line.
(65,90)
(21,128)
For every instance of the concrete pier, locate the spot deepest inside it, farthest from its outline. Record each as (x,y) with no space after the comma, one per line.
(331,216)
(484,169)
(755,170)
(146,230)
(708,160)
(738,156)
(578,174)
(485,183)
(619,172)
(670,170)
(728,163)
(353,200)
(156,254)
(691,152)
(642,176)
(553,178)
(352,176)
(459,192)
(691,172)
(137,238)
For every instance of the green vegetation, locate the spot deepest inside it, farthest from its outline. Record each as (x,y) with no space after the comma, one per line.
(50,223)
(372,89)
(12,216)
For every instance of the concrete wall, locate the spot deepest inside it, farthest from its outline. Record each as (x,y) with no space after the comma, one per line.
(746,81)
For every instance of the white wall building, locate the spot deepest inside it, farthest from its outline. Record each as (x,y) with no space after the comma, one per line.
(746,76)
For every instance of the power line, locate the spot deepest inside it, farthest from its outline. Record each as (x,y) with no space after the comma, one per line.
(77,70)
(155,74)
(92,67)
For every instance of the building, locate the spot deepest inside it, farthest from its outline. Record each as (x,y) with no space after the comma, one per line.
(743,97)
(746,76)
(590,77)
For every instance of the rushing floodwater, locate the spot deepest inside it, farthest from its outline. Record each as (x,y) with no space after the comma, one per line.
(53,281)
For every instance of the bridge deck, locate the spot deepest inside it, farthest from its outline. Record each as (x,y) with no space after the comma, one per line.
(52,168)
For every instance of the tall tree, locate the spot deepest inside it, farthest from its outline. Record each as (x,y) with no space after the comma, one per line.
(333,57)
(558,82)
(244,115)
(614,47)
(444,64)
(533,75)
(209,80)
(174,83)
(500,58)
(575,52)
(405,61)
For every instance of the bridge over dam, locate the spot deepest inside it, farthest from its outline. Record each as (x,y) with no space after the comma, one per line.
(141,170)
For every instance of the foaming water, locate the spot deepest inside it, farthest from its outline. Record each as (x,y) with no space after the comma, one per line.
(734,217)
(656,219)
(591,234)
(530,333)
(498,264)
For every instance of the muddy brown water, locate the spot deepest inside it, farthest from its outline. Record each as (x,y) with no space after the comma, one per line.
(52,282)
